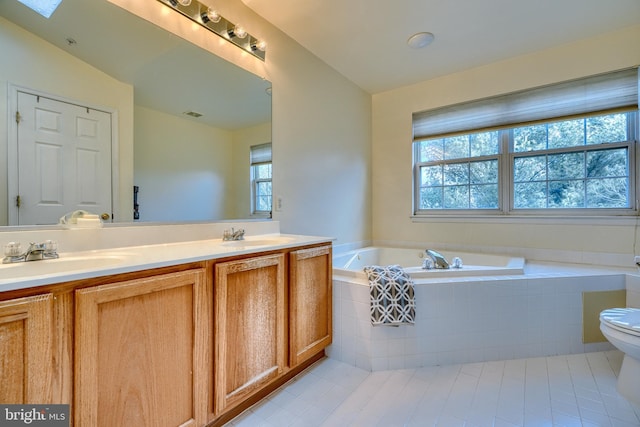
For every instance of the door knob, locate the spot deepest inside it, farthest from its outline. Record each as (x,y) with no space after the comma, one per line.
(105,216)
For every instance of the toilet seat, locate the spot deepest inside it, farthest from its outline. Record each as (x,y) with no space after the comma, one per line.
(626,320)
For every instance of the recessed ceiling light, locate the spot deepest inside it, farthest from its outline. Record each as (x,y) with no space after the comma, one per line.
(420,40)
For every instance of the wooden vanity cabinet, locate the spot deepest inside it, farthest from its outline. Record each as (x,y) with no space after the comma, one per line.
(249,327)
(187,345)
(141,350)
(26,349)
(310,302)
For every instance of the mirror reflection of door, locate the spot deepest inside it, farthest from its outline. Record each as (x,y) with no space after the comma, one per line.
(64,160)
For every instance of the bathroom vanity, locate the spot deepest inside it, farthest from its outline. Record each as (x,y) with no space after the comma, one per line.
(155,341)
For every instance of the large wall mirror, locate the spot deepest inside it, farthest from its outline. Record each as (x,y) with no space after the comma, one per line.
(154,83)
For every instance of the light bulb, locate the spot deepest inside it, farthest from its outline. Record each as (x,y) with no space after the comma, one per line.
(261,45)
(185,2)
(239,32)
(211,15)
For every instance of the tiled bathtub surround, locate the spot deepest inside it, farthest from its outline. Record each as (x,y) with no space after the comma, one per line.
(470,320)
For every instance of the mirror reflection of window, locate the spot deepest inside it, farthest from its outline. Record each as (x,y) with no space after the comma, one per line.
(261,193)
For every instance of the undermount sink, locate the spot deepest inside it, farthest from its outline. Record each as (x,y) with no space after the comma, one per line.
(258,242)
(59,265)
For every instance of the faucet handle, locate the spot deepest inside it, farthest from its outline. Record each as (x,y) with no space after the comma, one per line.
(428,264)
(50,246)
(12,249)
(226,234)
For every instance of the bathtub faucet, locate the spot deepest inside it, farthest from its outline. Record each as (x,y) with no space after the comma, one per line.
(439,261)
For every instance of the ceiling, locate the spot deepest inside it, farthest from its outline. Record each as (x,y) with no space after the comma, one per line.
(365,40)
(157,63)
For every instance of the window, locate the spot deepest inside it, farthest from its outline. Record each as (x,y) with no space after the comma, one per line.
(460,172)
(579,163)
(261,192)
(515,162)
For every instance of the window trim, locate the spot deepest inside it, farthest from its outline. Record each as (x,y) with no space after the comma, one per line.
(619,220)
(254,191)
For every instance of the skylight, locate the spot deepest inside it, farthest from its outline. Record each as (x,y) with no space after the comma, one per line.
(43,7)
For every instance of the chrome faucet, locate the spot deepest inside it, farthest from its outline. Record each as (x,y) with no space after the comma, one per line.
(233,235)
(439,261)
(35,252)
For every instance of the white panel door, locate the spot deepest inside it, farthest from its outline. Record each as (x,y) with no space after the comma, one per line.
(64,159)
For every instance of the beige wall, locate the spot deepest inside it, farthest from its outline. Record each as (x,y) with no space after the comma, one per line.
(392,156)
(321,136)
(190,171)
(183,168)
(30,62)
(243,140)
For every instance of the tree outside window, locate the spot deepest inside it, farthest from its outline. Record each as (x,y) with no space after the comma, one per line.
(581,163)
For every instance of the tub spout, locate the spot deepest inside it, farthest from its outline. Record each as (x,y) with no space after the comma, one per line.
(439,261)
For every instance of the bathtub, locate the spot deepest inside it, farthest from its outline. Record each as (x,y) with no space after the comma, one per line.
(492,309)
(351,264)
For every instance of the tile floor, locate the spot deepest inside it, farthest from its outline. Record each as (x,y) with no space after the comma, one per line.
(572,390)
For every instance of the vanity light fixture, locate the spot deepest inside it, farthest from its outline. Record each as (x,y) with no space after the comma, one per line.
(210,19)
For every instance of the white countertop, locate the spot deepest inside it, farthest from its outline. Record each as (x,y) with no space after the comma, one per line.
(87,264)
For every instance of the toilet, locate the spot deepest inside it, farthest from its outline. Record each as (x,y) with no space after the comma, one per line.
(621,326)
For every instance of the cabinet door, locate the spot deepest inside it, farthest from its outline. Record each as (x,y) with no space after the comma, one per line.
(310,302)
(26,364)
(250,341)
(140,352)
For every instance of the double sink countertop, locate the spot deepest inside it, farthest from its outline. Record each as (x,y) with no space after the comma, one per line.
(87,264)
